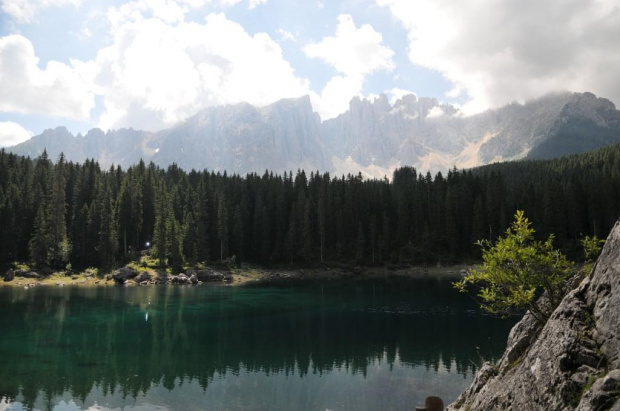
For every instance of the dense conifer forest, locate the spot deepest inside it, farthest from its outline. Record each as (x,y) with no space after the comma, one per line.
(56,213)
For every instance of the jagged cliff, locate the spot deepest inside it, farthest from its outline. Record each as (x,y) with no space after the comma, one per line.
(572,362)
(373,136)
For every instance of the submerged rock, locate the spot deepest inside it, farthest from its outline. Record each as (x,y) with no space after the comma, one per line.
(572,362)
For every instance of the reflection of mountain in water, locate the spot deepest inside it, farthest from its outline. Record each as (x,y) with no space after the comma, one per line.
(58,340)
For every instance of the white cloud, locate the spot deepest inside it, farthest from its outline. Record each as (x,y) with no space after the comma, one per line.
(156,73)
(57,90)
(353,52)
(286,35)
(25,10)
(12,133)
(435,112)
(256,3)
(398,93)
(169,11)
(336,95)
(498,52)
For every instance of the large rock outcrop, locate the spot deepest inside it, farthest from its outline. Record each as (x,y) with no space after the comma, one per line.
(572,362)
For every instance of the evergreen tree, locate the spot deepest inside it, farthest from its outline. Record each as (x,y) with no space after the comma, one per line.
(161,228)
(40,240)
(237,234)
(59,247)
(107,245)
(173,245)
(222,226)
(190,242)
(360,244)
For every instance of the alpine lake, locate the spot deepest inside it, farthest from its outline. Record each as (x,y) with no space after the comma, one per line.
(380,344)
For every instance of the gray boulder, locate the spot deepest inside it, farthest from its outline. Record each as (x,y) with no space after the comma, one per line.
(143,276)
(123,274)
(9,275)
(27,274)
(206,275)
(572,362)
(179,279)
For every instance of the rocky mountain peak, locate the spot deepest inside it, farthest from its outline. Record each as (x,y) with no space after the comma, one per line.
(599,110)
(95,133)
(373,136)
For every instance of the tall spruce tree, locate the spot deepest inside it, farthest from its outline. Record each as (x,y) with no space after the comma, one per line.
(222,226)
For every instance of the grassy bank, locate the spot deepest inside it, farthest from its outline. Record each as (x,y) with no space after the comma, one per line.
(242,274)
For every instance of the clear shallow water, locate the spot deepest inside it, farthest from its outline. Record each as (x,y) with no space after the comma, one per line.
(372,345)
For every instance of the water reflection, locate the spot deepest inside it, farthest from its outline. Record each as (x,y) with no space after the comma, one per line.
(369,345)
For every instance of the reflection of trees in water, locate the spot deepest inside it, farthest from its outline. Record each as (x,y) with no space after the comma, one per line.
(81,338)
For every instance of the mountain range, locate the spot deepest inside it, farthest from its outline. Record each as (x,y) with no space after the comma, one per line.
(373,137)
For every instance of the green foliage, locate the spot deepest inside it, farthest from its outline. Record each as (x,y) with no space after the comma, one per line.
(592,246)
(516,270)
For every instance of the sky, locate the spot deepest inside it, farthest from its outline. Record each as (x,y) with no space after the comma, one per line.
(149,64)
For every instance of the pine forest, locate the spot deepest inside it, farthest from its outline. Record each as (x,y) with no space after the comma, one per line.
(55,212)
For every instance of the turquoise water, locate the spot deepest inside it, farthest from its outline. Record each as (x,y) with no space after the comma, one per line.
(368,345)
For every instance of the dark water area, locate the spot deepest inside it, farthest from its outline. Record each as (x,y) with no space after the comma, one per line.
(367,345)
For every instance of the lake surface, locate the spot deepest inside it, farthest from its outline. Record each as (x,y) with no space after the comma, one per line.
(368,345)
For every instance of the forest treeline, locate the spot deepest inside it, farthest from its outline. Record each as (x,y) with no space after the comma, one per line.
(55,213)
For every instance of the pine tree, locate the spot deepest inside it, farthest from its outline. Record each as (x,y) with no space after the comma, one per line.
(39,242)
(189,239)
(129,211)
(59,247)
(360,245)
(161,232)
(107,243)
(292,235)
(237,234)
(203,216)
(222,225)
(173,245)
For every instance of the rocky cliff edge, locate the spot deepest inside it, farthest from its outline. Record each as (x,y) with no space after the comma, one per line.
(572,362)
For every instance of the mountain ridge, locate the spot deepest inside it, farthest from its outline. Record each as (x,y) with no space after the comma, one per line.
(373,137)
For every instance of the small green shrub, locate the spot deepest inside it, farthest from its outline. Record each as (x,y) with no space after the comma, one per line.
(516,270)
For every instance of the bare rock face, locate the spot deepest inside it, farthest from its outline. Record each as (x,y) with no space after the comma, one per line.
(572,362)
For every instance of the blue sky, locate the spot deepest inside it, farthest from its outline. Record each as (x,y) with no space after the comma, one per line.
(149,64)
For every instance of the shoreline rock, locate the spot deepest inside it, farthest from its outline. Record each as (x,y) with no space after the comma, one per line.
(123,274)
(9,276)
(572,362)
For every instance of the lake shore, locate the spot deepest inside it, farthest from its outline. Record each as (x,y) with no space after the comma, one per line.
(256,276)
